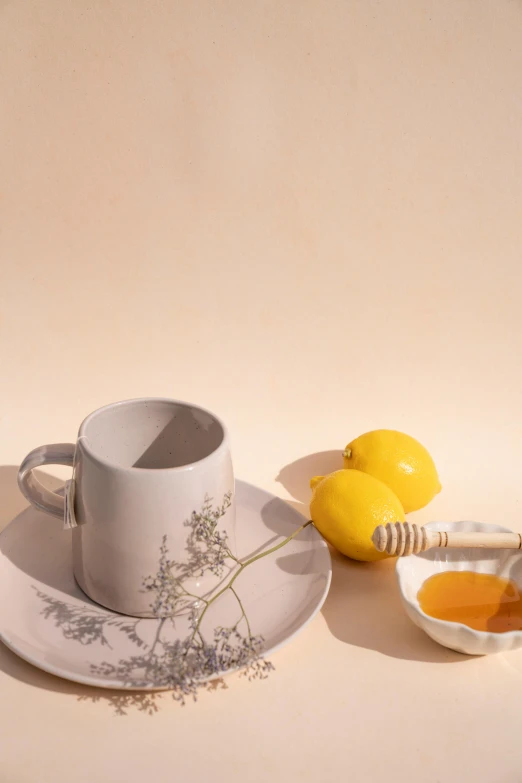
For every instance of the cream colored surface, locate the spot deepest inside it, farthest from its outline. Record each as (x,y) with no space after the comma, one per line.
(307,217)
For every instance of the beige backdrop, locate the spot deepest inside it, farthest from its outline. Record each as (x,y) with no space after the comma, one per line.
(306,216)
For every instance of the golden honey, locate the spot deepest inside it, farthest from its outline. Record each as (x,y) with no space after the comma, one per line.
(482,601)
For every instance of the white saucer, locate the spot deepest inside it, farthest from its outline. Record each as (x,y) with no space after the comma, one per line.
(46,619)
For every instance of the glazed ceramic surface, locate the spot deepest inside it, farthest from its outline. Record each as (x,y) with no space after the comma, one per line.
(53,625)
(412,571)
(143,469)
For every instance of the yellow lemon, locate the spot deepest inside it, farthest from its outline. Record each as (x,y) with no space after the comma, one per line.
(347,506)
(400,461)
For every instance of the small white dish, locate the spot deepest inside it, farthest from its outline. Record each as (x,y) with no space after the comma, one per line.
(413,571)
(46,619)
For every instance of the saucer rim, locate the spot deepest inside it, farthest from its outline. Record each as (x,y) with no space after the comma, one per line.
(118,684)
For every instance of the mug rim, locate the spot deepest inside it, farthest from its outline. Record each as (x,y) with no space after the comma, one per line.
(224,444)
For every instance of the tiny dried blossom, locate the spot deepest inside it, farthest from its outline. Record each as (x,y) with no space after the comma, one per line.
(185,666)
(169,595)
(207,547)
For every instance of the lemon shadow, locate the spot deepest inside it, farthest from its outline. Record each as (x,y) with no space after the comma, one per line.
(295,477)
(363,607)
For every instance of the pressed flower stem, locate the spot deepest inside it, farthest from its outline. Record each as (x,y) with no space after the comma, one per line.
(244,614)
(192,595)
(241,569)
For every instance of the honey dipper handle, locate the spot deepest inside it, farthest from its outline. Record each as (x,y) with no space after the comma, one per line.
(476,540)
(405,538)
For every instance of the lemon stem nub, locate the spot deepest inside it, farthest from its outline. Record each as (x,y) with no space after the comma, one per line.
(347,453)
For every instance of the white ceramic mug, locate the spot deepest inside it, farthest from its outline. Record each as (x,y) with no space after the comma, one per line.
(146,472)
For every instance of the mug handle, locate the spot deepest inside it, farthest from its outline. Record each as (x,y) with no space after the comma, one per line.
(36,494)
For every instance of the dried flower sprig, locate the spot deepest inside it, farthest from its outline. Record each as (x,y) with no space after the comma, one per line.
(208,550)
(190,663)
(182,665)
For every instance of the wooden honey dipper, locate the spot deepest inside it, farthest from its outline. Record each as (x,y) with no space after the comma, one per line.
(405,538)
